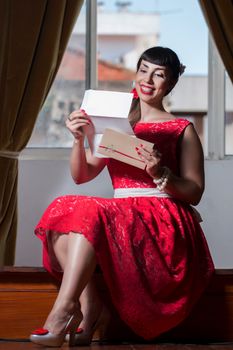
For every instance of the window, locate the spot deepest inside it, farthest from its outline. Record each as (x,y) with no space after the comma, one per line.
(104,56)
(66,92)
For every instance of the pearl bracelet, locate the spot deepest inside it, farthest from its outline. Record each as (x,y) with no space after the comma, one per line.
(163,180)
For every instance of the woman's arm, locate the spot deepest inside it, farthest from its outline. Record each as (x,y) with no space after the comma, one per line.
(83,165)
(189,186)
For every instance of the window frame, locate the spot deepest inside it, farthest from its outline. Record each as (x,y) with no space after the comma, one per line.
(216,96)
(216,103)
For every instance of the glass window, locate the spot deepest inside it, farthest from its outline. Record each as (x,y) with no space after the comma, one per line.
(228,116)
(124,30)
(65,95)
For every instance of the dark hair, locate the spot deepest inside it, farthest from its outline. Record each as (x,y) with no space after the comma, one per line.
(162,56)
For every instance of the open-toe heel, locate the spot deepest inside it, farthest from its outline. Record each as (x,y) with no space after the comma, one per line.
(44,337)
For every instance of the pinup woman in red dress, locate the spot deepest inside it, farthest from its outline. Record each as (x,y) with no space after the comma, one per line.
(147,239)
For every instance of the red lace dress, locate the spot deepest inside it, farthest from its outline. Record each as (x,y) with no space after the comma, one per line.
(152,251)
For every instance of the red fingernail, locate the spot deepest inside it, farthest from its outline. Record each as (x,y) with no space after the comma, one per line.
(84,112)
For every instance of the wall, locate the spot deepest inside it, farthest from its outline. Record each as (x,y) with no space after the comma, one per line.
(42,180)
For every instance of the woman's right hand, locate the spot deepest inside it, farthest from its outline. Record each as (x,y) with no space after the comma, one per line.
(79,124)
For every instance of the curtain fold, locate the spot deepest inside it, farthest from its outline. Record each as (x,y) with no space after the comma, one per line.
(219,16)
(34,35)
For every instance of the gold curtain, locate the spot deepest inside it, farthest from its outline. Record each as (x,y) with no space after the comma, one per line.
(219,17)
(33,37)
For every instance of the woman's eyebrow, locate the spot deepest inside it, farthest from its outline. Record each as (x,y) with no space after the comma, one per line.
(158,68)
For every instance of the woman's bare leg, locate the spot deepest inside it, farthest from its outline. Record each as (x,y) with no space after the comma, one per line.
(91,305)
(79,267)
(58,244)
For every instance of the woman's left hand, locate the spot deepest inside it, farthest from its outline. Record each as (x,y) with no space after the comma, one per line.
(152,160)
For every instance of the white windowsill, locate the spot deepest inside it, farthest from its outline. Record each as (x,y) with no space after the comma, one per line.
(45,154)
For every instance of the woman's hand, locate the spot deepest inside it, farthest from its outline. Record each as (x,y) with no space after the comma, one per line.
(79,124)
(189,185)
(152,160)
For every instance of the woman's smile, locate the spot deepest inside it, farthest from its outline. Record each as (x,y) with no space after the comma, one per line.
(146,89)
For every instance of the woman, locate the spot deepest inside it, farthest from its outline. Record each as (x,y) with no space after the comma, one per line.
(147,239)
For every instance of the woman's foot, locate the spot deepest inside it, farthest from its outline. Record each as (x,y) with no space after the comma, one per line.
(96,319)
(60,321)
(60,315)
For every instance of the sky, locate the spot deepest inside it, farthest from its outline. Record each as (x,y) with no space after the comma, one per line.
(182,28)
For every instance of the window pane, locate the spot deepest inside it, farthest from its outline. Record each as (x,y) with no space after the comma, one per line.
(127,28)
(65,95)
(228,116)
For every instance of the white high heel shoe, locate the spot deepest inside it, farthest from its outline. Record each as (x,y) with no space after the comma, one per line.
(44,337)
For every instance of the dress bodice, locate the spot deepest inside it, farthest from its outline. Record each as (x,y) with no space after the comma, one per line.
(166,136)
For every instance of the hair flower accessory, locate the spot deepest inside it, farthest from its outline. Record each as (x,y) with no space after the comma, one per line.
(135,94)
(182,68)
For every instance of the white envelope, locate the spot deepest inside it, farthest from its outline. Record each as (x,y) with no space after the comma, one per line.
(107,109)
